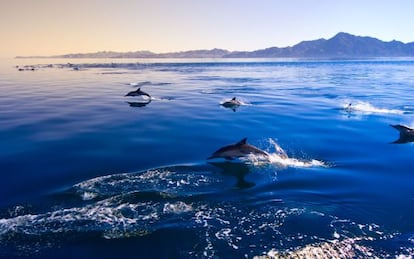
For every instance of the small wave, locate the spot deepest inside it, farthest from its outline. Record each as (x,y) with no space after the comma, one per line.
(112,73)
(161,98)
(183,180)
(367,108)
(136,84)
(139,84)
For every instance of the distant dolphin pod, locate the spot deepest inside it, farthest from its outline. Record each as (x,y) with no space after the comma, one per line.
(138,92)
(240,149)
(406,134)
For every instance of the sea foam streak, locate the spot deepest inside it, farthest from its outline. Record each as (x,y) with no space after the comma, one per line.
(367,108)
(293,162)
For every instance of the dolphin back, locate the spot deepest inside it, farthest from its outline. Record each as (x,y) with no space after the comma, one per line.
(239,149)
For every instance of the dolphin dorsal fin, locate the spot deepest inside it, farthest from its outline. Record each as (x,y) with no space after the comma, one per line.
(139,89)
(233,99)
(242,142)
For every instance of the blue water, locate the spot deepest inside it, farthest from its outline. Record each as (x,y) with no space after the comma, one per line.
(89,173)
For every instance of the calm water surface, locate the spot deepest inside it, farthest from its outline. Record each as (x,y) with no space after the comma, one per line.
(87,172)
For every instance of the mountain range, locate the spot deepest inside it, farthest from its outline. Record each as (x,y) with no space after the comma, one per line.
(342,45)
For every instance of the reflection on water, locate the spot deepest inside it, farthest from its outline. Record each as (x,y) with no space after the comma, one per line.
(138,104)
(238,170)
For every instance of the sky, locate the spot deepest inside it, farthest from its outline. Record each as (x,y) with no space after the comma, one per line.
(51,27)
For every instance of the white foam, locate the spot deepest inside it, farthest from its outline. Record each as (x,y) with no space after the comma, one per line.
(161,99)
(177,208)
(293,162)
(280,158)
(367,108)
(86,196)
(347,248)
(106,215)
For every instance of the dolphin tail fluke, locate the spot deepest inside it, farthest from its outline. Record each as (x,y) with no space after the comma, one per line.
(402,129)
(406,134)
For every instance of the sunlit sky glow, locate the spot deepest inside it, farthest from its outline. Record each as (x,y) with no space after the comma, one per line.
(50,27)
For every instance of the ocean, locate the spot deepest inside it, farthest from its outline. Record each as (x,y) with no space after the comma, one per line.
(87,172)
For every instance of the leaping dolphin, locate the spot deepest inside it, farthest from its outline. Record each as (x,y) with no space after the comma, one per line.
(406,134)
(138,92)
(240,149)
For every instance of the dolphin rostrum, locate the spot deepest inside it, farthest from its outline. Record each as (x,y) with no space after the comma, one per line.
(240,149)
(138,92)
(406,134)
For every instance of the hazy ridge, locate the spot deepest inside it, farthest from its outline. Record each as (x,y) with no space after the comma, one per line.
(342,45)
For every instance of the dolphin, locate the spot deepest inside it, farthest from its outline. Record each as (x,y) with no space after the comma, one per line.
(240,149)
(138,92)
(233,103)
(406,134)
(349,108)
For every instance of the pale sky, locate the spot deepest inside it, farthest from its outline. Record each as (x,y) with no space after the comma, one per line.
(49,27)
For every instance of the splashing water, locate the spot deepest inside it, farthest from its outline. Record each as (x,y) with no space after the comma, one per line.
(280,158)
(293,162)
(367,108)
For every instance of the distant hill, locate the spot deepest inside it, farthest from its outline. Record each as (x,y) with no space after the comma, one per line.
(342,45)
